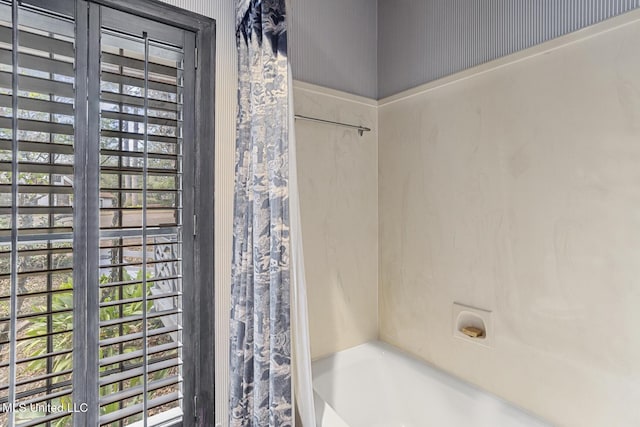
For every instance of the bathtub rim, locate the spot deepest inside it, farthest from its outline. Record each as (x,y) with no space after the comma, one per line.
(382,346)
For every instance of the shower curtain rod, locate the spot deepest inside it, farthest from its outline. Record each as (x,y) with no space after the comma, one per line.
(360,129)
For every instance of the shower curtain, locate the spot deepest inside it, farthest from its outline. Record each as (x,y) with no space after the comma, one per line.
(260,343)
(302,380)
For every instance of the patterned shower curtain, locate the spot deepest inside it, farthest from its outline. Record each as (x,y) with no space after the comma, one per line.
(260,308)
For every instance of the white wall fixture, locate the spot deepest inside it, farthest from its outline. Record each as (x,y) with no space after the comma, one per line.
(467,319)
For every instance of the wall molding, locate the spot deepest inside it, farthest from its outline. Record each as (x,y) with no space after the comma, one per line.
(345,96)
(544,48)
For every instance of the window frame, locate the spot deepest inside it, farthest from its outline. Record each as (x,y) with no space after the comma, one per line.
(198,225)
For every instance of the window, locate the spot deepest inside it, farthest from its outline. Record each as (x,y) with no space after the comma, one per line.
(106,112)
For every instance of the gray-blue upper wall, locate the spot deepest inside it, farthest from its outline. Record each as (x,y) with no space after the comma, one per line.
(333,43)
(376,48)
(423,40)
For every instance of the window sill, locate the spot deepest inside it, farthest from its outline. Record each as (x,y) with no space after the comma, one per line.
(170,418)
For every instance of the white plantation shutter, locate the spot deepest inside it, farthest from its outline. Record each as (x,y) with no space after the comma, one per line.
(141,227)
(97,215)
(36,214)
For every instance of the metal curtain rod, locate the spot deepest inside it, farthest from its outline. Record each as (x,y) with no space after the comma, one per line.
(361,129)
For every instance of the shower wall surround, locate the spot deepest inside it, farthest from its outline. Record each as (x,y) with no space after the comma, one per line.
(338,180)
(517,190)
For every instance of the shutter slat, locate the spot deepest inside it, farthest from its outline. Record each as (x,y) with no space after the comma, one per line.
(136,232)
(36,314)
(40,357)
(136,82)
(137,154)
(135,300)
(138,64)
(34,294)
(37,272)
(49,396)
(138,171)
(36,84)
(135,118)
(38,126)
(138,335)
(136,372)
(136,190)
(43,377)
(40,105)
(37,390)
(135,282)
(39,42)
(138,318)
(137,390)
(39,147)
(138,353)
(48,334)
(149,209)
(39,63)
(39,168)
(134,409)
(43,189)
(43,420)
(137,245)
(136,101)
(32,234)
(128,264)
(27,252)
(137,136)
(37,237)
(31,210)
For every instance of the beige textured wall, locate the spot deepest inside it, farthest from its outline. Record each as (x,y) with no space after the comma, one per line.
(338,182)
(518,190)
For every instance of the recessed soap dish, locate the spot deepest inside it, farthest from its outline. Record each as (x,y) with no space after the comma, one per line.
(472,331)
(472,324)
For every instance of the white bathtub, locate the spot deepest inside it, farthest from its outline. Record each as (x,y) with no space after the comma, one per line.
(376,385)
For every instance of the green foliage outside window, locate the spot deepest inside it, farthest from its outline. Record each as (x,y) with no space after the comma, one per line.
(62,302)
